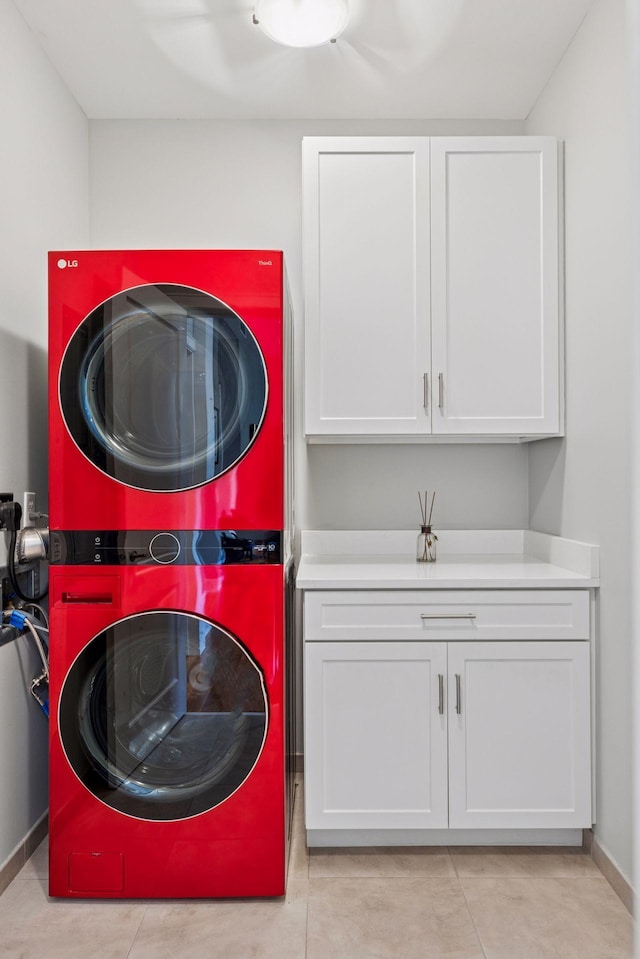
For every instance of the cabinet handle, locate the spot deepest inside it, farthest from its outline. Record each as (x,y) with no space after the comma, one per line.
(425,390)
(440,390)
(441,694)
(458,695)
(447,615)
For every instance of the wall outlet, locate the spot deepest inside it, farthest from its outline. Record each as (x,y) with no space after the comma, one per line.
(28,509)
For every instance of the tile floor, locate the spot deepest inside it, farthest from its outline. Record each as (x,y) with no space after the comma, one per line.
(431,903)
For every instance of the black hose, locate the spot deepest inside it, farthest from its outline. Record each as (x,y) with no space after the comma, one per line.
(11,566)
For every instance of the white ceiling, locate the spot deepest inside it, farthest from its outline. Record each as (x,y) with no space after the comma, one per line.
(457,59)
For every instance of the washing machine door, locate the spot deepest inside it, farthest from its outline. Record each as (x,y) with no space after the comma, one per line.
(163,715)
(163,387)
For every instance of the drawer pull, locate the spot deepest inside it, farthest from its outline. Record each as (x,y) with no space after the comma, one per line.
(92,598)
(441,693)
(458,695)
(447,615)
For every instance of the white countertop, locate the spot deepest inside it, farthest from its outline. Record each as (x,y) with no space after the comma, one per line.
(524,559)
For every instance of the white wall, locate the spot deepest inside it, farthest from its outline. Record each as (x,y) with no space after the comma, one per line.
(44,176)
(238,184)
(633,14)
(580,486)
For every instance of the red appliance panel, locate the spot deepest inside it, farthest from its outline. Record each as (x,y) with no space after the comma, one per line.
(248,495)
(237,848)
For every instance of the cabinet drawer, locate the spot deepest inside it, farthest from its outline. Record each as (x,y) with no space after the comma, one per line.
(340,615)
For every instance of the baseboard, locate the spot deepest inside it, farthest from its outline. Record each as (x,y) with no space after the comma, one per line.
(609,870)
(339,838)
(587,840)
(25,849)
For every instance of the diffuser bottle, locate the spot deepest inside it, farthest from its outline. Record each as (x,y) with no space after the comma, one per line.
(426,545)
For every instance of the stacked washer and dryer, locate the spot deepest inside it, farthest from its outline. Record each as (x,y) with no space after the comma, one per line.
(169,517)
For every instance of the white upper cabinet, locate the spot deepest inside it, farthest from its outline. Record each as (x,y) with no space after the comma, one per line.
(366,255)
(431,287)
(494,285)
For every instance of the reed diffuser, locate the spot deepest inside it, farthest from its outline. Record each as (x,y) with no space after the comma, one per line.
(427,539)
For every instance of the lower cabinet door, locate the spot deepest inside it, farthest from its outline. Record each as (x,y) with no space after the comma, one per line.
(375,735)
(519,735)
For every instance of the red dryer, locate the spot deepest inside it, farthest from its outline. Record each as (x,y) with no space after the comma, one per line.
(167,389)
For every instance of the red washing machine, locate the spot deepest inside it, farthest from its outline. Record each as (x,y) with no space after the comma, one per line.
(167,389)
(168,718)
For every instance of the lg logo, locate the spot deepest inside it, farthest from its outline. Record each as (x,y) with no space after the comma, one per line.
(63,264)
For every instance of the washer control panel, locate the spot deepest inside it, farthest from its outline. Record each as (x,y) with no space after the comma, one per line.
(164,547)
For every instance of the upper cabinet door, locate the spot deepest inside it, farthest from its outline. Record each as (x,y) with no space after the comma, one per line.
(366,270)
(494,286)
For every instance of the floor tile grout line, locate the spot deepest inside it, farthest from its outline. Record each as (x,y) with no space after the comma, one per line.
(505,874)
(306,920)
(516,877)
(135,935)
(453,862)
(473,922)
(297,798)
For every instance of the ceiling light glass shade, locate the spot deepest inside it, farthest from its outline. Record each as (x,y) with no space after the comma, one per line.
(301,23)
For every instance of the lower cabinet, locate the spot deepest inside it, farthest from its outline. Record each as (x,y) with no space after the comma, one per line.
(375,735)
(519,735)
(436,734)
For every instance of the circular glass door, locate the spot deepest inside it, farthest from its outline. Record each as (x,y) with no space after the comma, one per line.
(163,715)
(163,387)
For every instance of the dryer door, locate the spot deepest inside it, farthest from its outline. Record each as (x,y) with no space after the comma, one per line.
(163,387)
(163,715)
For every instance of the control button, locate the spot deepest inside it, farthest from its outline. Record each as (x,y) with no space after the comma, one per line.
(55,546)
(164,548)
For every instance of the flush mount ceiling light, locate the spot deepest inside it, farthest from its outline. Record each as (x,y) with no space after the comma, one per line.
(301,23)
